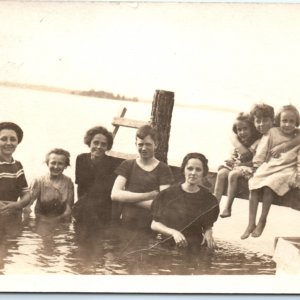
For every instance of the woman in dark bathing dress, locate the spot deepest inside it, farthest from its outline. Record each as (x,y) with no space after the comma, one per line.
(94,178)
(187,211)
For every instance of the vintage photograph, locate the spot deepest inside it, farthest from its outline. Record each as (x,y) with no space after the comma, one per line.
(149,147)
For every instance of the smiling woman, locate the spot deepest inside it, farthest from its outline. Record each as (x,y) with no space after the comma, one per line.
(94,178)
(186,212)
(140,180)
(13,184)
(54,191)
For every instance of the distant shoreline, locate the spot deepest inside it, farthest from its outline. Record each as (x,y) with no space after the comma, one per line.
(90,93)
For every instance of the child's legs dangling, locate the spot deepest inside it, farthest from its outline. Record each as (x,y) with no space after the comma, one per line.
(267,199)
(253,204)
(221,183)
(233,178)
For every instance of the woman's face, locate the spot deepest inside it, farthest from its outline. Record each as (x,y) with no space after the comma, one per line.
(56,164)
(193,171)
(8,142)
(98,145)
(146,147)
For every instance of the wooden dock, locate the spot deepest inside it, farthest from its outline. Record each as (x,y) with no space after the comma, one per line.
(282,222)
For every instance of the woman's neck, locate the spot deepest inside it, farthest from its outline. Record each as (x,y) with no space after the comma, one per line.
(55,177)
(190,188)
(146,161)
(6,158)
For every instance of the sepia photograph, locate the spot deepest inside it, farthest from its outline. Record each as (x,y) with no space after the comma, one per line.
(149,147)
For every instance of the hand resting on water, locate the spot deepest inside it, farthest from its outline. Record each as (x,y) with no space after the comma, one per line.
(208,238)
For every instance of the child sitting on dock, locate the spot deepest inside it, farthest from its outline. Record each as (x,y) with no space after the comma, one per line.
(274,173)
(237,167)
(54,191)
(263,119)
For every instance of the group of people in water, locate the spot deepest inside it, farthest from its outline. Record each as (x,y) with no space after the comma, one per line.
(142,193)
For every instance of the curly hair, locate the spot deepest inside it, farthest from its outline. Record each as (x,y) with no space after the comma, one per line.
(284,108)
(89,135)
(146,130)
(58,151)
(262,110)
(12,126)
(195,155)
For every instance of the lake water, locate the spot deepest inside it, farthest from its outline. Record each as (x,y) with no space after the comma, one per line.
(57,120)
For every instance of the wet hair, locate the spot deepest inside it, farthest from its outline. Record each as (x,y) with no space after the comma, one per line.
(195,155)
(262,110)
(244,117)
(58,151)
(12,126)
(146,130)
(284,108)
(89,135)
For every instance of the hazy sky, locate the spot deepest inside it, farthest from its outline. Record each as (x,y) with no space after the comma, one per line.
(221,54)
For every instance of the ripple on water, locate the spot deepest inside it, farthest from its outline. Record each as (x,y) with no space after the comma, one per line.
(67,249)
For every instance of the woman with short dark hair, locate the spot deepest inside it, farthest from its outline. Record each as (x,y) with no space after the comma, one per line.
(187,211)
(94,177)
(14,191)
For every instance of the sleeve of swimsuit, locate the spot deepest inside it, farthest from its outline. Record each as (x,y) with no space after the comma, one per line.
(82,171)
(211,216)
(165,174)
(124,168)
(21,180)
(158,206)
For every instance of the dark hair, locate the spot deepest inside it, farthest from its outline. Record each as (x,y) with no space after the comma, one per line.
(262,110)
(89,135)
(12,126)
(58,151)
(195,155)
(146,130)
(244,117)
(287,108)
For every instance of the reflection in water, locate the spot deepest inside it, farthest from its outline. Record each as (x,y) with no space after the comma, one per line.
(37,246)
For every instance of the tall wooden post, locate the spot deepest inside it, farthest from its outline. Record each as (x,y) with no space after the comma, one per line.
(161,115)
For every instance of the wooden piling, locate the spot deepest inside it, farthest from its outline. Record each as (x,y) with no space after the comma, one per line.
(161,116)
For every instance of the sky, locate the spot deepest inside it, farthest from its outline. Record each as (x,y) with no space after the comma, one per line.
(228,55)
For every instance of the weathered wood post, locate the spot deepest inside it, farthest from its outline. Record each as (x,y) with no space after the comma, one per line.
(161,115)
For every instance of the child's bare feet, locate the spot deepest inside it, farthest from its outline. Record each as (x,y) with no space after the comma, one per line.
(259,229)
(226,213)
(247,232)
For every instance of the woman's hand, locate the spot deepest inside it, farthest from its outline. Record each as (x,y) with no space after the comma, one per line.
(9,208)
(230,163)
(208,238)
(277,150)
(179,239)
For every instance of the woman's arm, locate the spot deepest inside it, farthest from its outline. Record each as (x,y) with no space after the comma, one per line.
(178,237)
(18,205)
(120,194)
(70,201)
(147,203)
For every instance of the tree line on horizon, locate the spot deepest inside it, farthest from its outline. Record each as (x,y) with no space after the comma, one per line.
(103,94)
